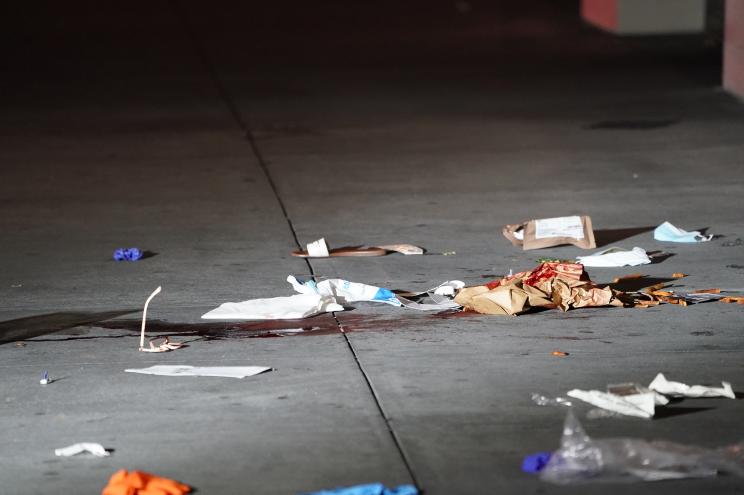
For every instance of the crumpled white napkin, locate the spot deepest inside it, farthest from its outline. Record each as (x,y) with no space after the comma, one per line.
(78,448)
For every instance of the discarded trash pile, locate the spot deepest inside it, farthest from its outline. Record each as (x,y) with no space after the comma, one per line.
(550,285)
(553,284)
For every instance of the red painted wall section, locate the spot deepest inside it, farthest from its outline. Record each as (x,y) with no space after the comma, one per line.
(602,13)
(733,48)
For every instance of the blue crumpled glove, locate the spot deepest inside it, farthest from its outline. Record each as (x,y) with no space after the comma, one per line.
(534,463)
(127,254)
(370,489)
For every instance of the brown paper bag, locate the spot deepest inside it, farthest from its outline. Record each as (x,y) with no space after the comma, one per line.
(548,232)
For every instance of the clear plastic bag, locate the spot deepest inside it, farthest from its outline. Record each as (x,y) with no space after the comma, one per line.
(583,459)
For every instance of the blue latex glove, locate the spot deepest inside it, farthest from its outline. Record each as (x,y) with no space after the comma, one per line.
(127,254)
(370,489)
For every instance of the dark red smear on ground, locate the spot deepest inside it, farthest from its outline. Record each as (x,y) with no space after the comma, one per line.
(319,325)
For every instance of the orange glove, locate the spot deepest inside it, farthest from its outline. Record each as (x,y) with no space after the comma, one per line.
(139,483)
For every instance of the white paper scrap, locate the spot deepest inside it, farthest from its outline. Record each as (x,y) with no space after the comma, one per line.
(615,256)
(94,448)
(275,308)
(559,227)
(677,389)
(182,370)
(638,405)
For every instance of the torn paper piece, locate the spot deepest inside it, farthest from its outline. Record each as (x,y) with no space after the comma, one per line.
(638,405)
(614,257)
(93,448)
(275,308)
(343,291)
(668,232)
(677,389)
(182,370)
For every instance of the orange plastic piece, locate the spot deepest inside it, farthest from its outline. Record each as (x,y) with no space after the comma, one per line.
(739,300)
(632,276)
(141,483)
(559,353)
(707,291)
(679,275)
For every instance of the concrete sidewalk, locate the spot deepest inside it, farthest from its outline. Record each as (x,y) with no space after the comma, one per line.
(221,139)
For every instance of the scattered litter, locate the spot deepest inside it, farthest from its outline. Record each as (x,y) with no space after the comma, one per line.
(638,405)
(406,249)
(15,286)
(729,299)
(183,370)
(659,293)
(166,345)
(319,249)
(542,400)
(534,463)
(141,483)
(127,254)
(615,256)
(547,232)
(679,275)
(559,353)
(275,308)
(440,297)
(92,448)
(550,285)
(343,291)
(449,253)
(45,378)
(583,459)
(668,232)
(20,344)
(632,276)
(676,389)
(330,295)
(632,399)
(369,489)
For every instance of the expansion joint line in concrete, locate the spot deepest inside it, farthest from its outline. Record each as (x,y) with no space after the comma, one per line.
(235,113)
(378,401)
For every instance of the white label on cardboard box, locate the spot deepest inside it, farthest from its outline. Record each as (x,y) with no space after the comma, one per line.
(559,227)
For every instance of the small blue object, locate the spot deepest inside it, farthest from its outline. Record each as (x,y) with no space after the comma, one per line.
(534,463)
(127,254)
(370,489)
(46,375)
(385,295)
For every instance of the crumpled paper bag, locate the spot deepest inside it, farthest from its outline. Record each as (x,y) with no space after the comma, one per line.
(550,285)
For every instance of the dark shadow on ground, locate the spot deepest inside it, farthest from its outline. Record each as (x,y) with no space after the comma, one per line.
(35,326)
(604,237)
(636,284)
(670,412)
(658,256)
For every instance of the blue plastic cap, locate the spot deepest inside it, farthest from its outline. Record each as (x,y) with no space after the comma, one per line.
(534,463)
